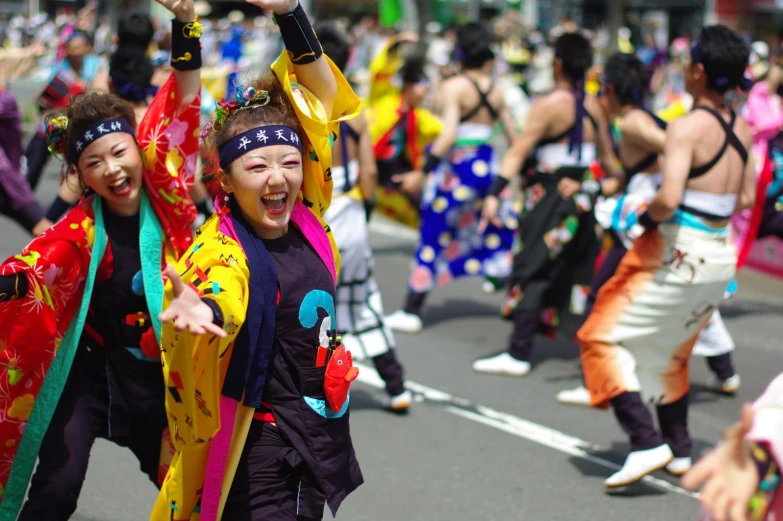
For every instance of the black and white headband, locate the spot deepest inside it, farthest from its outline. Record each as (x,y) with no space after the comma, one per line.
(258,137)
(97,131)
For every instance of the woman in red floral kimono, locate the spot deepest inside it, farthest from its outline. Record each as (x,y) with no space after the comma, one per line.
(79,333)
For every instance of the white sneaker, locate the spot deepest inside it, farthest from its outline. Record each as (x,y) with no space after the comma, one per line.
(502,364)
(679,466)
(728,386)
(579,397)
(405,322)
(638,464)
(398,404)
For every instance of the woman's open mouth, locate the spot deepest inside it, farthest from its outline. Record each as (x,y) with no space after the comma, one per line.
(121,187)
(275,203)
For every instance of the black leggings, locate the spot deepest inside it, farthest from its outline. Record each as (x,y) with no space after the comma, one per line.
(82,416)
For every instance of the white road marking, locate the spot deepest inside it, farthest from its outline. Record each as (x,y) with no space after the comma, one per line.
(514,425)
(390,228)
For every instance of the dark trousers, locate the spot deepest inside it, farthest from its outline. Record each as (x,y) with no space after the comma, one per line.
(272,483)
(37,155)
(637,422)
(390,370)
(82,415)
(525,326)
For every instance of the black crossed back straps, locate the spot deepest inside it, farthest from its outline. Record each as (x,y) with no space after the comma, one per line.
(649,160)
(731,139)
(483,102)
(560,137)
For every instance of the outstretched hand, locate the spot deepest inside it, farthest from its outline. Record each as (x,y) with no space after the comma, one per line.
(278,6)
(727,476)
(184,10)
(187,311)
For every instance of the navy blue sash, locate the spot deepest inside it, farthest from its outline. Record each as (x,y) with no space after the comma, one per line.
(247,370)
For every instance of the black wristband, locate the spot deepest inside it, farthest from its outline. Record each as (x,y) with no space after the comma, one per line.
(217,319)
(185,45)
(647,222)
(498,185)
(430,163)
(300,40)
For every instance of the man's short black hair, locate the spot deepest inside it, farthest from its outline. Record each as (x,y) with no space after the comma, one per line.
(131,71)
(135,29)
(724,55)
(413,70)
(629,77)
(474,40)
(576,54)
(335,42)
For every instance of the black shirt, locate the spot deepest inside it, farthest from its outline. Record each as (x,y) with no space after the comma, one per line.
(306,297)
(118,312)
(305,310)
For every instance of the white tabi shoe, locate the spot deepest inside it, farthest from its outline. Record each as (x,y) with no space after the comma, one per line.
(405,322)
(679,466)
(398,404)
(728,386)
(503,363)
(579,397)
(638,464)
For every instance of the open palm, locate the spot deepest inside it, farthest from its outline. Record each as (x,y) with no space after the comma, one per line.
(187,311)
(727,476)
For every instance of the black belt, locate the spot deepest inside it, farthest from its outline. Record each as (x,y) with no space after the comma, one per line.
(704,215)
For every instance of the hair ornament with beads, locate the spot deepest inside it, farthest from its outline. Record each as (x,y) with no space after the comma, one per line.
(243,99)
(56,126)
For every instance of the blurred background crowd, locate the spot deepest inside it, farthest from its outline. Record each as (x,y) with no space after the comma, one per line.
(658,31)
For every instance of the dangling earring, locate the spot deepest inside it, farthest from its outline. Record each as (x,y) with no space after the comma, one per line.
(225,208)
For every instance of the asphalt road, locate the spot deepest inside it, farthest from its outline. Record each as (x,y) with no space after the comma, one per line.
(477,446)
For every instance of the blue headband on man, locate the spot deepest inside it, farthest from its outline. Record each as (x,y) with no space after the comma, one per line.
(263,136)
(97,131)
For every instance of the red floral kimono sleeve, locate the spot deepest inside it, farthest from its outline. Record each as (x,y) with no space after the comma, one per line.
(168,135)
(32,327)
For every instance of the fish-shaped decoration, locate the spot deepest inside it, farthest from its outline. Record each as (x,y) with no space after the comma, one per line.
(340,372)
